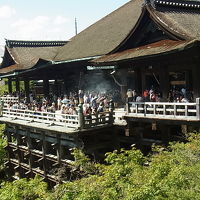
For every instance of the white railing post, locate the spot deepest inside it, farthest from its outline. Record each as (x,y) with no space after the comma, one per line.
(154,109)
(164,109)
(128,108)
(136,109)
(186,110)
(198,108)
(80,116)
(145,109)
(175,111)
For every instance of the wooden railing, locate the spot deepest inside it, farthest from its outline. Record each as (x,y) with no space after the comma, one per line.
(98,119)
(165,110)
(42,117)
(71,121)
(7,100)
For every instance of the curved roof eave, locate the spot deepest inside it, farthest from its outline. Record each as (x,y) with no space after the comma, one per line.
(166,26)
(144,10)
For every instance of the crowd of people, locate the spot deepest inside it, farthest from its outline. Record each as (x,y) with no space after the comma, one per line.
(182,95)
(91,101)
(94,102)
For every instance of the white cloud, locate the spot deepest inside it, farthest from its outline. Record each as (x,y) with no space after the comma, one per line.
(6,12)
(41,28)
(60,20)
(28,28)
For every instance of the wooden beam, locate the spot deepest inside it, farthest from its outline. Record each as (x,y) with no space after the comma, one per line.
(46,87)
(10,85)
(27,89)
(196,81)
(164,81)
(17,85)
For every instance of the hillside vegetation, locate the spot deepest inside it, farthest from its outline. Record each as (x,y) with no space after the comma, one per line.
(172,173)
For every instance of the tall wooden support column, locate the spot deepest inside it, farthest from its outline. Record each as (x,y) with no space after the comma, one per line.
(19,153)
(9,139)
(143,80)
(164,81)
(30,146)
(9,150)
(27,89)
(65,86)
(17,86)
(165,132)
(59,150)
(46,87)
(196,81)
(10,85)
(138,82)
(44,148)
(56,88)
(123,77)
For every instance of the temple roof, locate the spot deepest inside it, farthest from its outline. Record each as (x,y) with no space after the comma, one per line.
(107,34)
(177,18)
(155,49)
(25,54)
(103,36)
(184,23)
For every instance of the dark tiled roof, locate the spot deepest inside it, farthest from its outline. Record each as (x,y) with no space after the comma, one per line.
(158,48)
(183,23)
(103,36)
(27,53)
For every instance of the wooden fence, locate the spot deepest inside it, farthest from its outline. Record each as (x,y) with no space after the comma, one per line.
(71,121)
(186,111)
(7,100)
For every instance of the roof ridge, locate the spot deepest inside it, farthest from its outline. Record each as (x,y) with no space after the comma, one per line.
(192,4)
(34,43)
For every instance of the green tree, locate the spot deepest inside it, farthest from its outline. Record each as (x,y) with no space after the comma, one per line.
(24,189)
(171,173)
(166,174)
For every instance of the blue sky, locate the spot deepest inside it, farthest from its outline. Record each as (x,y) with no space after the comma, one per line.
(50,19)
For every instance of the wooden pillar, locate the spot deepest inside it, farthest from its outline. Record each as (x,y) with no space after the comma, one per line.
(123,77)
(143,81)
(56,88)
(44,147)
(165,132)
(46,87)
(9,85)
(17,85)
(30,146)
(138,82)
(65,86)
(196,81)
(123,92)
(59,150)
(19,153)
(164,81)
(27,89)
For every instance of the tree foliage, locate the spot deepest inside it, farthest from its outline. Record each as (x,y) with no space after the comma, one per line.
(167,173)
(24,189)
(171,173)
(2,147)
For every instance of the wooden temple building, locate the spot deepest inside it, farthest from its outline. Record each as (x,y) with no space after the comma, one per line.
(142,44)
